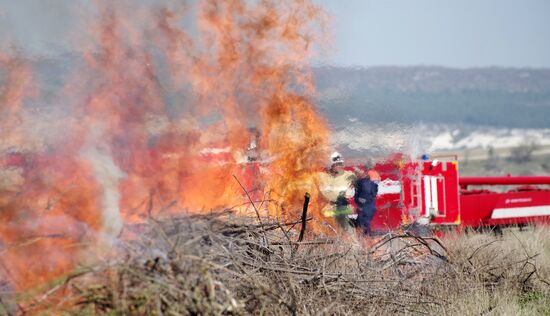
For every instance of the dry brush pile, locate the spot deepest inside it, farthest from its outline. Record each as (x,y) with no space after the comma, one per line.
(222,263)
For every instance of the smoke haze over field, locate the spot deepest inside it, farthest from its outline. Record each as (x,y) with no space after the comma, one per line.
(383,32)
(113,112)
(145,118)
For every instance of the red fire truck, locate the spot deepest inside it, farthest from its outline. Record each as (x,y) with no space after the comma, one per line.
(431,192)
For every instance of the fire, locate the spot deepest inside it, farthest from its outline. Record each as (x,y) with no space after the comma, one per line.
(160,123)
(17,82)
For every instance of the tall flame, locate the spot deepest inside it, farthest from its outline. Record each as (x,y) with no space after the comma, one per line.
(161,122)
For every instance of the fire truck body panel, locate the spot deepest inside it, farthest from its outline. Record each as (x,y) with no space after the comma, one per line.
(432,193)
(486,208)
(389,213)
(439,192)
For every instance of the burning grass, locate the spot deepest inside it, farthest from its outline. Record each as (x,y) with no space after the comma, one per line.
(169,102)
(222,263)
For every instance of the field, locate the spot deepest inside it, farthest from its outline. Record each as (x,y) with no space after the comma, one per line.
(222,263)
(128,127)
(479,161)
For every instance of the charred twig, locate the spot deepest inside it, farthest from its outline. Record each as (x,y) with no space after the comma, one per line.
(535,270)
(249,199)
(253,206)
(304,217)
(471,256)
(317,242)
(419,239)
(149,209)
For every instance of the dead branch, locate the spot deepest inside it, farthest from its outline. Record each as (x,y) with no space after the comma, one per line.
(304,217)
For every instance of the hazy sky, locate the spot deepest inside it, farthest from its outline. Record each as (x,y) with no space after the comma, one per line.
(456,33)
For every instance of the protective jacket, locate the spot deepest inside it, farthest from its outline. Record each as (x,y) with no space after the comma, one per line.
(334,185)
(365,198)
(365,192)
(336,189)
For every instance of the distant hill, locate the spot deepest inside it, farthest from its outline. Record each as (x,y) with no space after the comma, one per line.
(499,97)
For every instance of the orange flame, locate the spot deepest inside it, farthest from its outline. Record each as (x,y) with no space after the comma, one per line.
(17,83)
(161,124)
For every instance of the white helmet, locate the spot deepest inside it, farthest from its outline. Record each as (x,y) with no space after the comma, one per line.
(335,158)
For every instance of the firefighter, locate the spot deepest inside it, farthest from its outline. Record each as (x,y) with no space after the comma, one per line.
(336,187)
(366,190)
(371,172)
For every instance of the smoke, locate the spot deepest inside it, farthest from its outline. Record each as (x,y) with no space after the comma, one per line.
(107,174)
(152,115)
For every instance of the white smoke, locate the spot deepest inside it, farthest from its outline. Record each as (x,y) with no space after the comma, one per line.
(108,175)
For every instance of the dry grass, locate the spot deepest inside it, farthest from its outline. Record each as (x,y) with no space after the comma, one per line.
(501,275)
(225,264)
